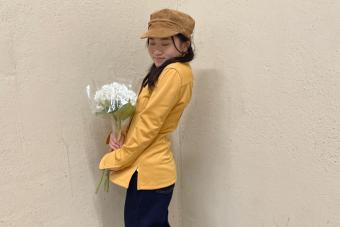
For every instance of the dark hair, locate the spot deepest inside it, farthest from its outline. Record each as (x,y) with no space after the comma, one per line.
(152,77)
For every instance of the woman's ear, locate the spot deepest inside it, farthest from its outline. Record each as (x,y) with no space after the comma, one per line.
(185,46)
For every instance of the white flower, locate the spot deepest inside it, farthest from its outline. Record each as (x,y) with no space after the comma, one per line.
(113,96)
(108,101)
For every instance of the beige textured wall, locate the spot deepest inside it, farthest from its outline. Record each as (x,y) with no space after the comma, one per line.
(257,147)
(261,140)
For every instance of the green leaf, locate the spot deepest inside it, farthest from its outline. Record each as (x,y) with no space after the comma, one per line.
(124,112)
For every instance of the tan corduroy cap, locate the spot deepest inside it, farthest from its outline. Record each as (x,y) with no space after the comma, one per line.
(168,22)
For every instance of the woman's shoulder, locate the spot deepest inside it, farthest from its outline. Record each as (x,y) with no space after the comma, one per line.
(183,69)
(179,66)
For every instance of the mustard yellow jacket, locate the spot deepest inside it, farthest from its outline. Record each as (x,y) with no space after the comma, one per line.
(147,146)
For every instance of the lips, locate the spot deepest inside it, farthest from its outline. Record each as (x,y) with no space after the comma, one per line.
(158,61)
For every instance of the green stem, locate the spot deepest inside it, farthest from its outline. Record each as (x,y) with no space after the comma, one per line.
(100,182)
(117,127)
(107,180)
(108,183)
(118,124)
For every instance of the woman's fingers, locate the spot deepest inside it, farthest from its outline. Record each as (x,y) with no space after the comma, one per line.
(114,141)
(114,145)
(113,138)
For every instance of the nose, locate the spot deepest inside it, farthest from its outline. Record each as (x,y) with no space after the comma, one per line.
(157,52)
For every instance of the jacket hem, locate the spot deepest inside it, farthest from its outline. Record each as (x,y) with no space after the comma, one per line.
(153,187)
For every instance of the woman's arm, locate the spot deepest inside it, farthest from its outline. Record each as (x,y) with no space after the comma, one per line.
(149,122)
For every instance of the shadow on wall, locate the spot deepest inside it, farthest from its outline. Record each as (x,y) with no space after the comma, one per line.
(205,149)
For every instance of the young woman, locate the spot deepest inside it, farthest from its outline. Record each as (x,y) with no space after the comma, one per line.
(143,163)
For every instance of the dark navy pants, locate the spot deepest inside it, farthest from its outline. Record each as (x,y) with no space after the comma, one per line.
(147,208)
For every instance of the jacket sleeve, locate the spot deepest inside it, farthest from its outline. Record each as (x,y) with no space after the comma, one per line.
(149,122)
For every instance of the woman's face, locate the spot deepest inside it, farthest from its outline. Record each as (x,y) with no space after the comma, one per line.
(162,49)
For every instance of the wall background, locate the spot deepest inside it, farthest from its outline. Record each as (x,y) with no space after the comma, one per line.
(258,145)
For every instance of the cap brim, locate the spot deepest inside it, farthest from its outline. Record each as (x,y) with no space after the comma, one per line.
(159,33)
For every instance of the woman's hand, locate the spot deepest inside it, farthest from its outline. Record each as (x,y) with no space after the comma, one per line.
(114,144)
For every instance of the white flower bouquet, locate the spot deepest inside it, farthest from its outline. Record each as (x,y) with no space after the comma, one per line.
(116,101)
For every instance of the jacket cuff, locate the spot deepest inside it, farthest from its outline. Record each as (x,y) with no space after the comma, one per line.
(103,162)
(108,160)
